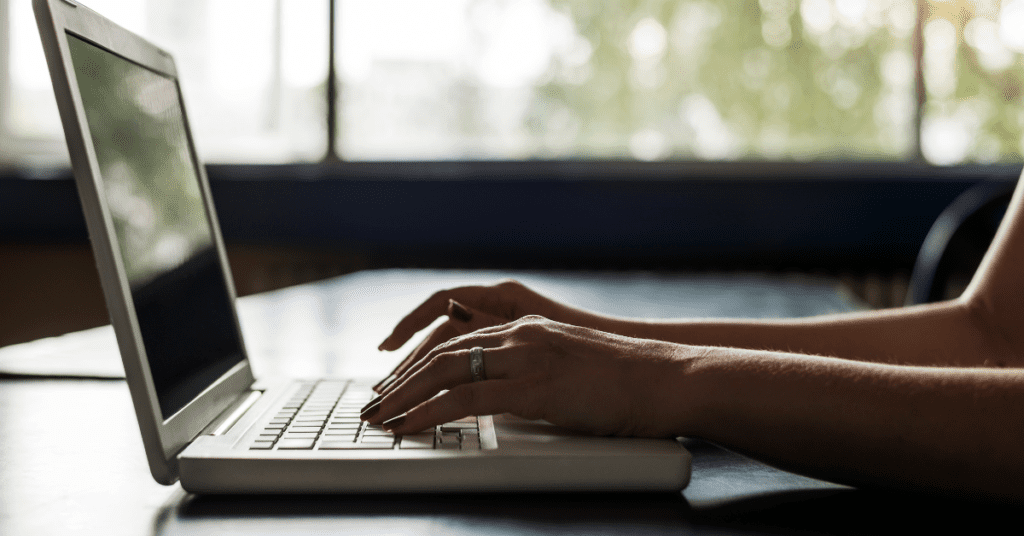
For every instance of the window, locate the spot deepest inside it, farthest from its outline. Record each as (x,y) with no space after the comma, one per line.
(253,73)
(705,80)
(693,79)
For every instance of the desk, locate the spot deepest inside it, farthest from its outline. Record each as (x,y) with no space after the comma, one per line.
(72,461)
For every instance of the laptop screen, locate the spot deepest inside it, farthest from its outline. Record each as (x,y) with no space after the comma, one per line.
(164,238)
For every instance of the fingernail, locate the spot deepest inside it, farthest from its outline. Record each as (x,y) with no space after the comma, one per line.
(391,424)
(460,313)
(370,403)
(370,411)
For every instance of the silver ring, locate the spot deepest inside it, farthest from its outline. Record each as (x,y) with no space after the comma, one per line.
(476,364)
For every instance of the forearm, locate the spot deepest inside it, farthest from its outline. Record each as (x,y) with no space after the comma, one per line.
(930,429)
(947,334)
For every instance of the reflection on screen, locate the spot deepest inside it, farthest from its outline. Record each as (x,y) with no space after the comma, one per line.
(164,237)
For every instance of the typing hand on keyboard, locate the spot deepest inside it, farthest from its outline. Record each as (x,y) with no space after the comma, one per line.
(325,416)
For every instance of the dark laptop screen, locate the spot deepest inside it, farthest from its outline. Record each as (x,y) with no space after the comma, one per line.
(164,237)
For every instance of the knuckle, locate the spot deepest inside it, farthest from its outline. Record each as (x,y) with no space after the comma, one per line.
(434,352)
(445,346)
(531,324)
(518,327)
(441,347)
(508,284)
(434,363)
(440,295)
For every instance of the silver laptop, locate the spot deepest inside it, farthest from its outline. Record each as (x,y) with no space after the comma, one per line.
(204,418)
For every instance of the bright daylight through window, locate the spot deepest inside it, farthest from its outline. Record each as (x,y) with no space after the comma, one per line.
(253,72)
(706,80)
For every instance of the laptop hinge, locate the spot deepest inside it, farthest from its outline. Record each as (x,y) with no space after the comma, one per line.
(235,415)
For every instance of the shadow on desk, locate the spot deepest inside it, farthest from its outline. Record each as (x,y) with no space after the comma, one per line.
(812,510)
(801,512)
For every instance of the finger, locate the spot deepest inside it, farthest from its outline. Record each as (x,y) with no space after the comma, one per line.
(445,370)
(481,398)
(485,337)
(422,316)
(441,372)
(443,333)
(466,319)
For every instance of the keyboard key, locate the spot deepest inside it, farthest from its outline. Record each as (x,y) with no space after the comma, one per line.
(309,422)
(457,426)
(349,428)
(417,442)
(470,444)
(275,427)
(295,444)
(348,445)
(388,441)
(299,435)
(315,429)
(262,445)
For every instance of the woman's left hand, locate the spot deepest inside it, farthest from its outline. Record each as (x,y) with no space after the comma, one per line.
(571,376)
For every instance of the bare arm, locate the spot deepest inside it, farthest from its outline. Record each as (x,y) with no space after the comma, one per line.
(984,327)
(955,333)
(947,430)
(862,421)
(922,428)
(941,334)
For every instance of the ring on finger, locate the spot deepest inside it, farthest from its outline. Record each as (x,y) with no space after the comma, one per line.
(476,364)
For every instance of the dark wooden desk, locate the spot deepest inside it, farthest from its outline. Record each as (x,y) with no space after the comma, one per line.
(72,461)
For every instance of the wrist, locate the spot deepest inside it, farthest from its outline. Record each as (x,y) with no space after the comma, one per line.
(682,391)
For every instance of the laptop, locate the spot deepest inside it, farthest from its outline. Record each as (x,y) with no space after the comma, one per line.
(205,420)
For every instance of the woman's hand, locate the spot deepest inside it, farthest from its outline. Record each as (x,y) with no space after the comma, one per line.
(575,377)
(469,309)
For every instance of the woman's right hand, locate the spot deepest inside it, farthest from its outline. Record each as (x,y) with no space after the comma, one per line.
(469,309)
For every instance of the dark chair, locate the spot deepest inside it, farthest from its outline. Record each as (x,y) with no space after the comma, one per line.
(957,241)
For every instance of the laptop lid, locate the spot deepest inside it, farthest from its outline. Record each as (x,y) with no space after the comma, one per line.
(152,225)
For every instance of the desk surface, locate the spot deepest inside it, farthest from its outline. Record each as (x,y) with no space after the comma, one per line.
(72,461)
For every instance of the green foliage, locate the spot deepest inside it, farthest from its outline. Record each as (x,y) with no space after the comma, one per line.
(792,98)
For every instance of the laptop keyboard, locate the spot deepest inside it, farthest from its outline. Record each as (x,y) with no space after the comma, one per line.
(325,416)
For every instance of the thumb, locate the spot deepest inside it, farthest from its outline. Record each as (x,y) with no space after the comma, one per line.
(467,320)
